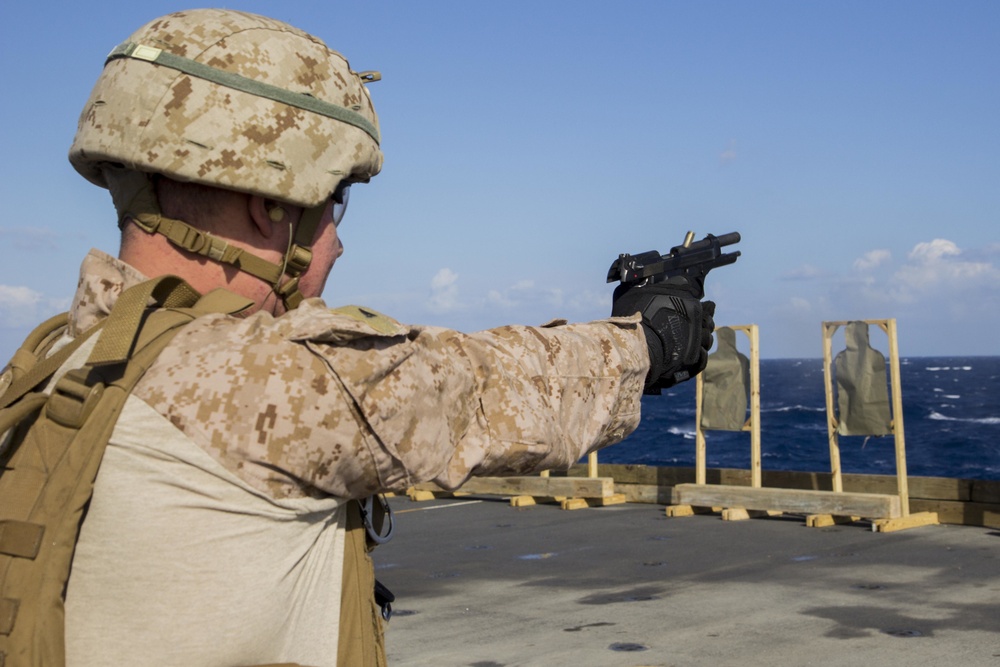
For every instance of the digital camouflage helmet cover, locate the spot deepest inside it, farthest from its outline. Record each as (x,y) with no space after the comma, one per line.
(230,100)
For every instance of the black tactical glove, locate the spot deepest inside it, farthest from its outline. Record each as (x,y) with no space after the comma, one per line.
(677,325)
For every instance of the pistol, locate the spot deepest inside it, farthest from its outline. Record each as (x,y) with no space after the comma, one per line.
(692,260)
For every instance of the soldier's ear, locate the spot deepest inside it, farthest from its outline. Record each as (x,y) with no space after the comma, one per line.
(264,214)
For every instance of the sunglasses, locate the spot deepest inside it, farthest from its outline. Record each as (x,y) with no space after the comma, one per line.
(340,197)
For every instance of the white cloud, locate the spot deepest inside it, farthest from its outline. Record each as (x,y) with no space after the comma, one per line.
(444,292)
(936,268)
(444,279)
(22,306)
(872,259)
(498,298)
(15,296)
(934,251)
(803,272)
(936,277)
(525,301)
(589,301)
(800,305)
(26,238)
(525,292)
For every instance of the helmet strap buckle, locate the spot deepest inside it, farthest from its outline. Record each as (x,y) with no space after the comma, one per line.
(299,258)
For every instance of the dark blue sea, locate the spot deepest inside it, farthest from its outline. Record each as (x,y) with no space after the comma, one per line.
(951,420)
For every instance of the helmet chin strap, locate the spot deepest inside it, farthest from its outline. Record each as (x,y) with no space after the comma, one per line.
(144,210)
(298,256)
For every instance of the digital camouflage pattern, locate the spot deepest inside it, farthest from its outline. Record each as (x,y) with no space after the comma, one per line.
(346,403)
(157,119)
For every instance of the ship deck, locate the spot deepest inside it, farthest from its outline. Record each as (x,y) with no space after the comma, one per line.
(480,583)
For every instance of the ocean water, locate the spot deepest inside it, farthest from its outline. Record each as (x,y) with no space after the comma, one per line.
(951,421)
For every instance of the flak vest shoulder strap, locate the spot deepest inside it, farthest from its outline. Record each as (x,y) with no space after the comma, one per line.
(53,444)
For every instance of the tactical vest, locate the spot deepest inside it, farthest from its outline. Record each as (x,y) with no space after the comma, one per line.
(55,424)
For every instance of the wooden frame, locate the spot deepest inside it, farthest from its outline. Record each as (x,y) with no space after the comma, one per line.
(753,421)
(897,426)
(887,512)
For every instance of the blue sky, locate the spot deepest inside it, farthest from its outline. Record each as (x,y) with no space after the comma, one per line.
(854,145)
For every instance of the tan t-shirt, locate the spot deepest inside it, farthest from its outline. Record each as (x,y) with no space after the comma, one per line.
(181,563)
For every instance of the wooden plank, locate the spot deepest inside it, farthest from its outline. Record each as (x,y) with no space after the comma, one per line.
(957,501)
(939,488)
(574,504)
(419,495)
(898,427)
(954,512)
(915,520)
(605,501)
(651,494)
(582,487)
(919,487)
(829,328)
(637,474)
(679,510)
(985,491)
(826,520)
(949,511)
(788,500)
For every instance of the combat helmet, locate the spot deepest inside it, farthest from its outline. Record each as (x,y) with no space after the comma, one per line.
(232,100)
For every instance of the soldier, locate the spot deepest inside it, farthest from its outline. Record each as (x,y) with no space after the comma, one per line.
(219,531)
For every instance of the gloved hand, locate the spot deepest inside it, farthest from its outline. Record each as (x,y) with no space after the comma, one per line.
(677,325)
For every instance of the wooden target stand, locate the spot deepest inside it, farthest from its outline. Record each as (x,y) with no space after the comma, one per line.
(822,508)
(571,493)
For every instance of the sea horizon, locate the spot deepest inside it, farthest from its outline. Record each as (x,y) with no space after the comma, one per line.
(951,423)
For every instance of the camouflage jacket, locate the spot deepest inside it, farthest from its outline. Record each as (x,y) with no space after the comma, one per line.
(215,531)
(350,403)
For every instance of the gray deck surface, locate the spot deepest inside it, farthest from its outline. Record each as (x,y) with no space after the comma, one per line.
(482,584)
